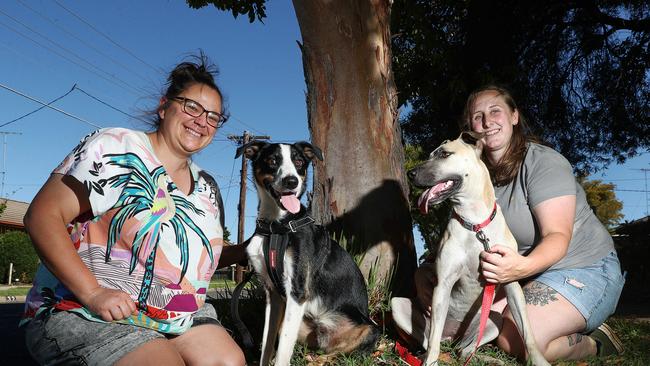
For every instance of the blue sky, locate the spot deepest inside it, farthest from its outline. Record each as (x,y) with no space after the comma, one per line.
(119,51)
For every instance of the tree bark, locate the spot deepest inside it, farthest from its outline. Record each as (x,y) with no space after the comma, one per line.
(360,189)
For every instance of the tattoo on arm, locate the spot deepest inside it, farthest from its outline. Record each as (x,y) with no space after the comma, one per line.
(574,341)
(537,293)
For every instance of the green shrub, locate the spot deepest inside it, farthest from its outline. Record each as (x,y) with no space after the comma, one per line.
(16,248)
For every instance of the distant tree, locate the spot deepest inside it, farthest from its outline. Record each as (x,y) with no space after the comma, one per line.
(16,248)
(603,202)
(226,234)
(360,190)
(578,69)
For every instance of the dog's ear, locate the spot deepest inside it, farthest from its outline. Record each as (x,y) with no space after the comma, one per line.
(251,150)
(471,137)
(474,139)
(309,150)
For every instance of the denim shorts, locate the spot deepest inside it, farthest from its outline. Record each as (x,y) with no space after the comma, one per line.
(594,290)
(66,338)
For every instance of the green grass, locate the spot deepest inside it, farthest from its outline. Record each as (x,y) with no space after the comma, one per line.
(15,291)
(634,334)
(222,284)
(22,290)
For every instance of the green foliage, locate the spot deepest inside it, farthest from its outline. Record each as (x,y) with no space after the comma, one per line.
(578,70)
(226,234)
(379,293)
(603,202)
(16,248)
(431,225)
(255,9)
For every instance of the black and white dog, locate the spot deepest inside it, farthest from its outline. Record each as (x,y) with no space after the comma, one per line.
(315,293)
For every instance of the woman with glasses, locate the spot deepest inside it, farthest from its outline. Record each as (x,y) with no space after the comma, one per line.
(130,230)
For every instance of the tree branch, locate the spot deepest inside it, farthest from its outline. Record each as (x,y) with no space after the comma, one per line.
(591,9)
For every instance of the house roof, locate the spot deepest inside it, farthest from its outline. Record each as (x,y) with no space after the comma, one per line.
(14,213)
(635,227)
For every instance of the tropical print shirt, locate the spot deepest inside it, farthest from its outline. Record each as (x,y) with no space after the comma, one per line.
(144,236)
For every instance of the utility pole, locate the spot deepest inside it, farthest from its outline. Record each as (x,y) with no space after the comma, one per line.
(242,140)
(4,158)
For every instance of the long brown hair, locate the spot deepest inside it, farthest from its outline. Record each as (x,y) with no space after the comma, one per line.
(505,170)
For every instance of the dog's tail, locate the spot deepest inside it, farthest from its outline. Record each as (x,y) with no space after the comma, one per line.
(368,343)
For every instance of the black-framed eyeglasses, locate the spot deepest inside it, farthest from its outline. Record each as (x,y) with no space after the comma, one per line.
(195,109)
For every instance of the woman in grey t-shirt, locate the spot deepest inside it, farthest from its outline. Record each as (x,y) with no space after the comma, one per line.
(571,275)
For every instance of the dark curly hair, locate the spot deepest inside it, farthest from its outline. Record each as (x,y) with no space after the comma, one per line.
(186,74)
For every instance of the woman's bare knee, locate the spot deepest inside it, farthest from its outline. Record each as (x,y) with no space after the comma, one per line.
(209,345)
(158,352)
(223,356)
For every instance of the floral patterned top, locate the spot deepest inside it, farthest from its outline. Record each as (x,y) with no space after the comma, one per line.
(144,236)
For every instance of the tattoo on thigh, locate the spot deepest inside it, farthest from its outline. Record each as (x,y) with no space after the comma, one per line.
(573,341)
(539,294)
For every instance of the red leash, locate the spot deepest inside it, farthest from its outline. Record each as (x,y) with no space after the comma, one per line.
(488,297)
(407,356)
(488,291)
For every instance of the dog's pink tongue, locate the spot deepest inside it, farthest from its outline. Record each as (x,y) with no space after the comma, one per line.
(290,203)
(429,194)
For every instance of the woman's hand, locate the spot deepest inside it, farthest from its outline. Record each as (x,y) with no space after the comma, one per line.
(503,265)
(109,304)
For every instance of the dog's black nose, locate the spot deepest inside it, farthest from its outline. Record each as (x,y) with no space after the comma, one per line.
(290,182)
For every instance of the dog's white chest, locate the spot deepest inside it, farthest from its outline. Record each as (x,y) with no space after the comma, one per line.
(255,252)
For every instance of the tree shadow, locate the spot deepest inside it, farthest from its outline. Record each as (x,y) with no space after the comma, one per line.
(382,216)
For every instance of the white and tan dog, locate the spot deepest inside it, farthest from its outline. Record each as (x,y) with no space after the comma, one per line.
(455,171)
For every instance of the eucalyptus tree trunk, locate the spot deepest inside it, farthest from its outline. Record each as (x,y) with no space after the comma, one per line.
(360,190)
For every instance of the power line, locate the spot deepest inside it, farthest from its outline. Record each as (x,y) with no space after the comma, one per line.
(48,106)
(230,180)
(71,34)
(108,105)
(620,180)
(4,160)
(108,38)
(70,52)
(647,200)
(246,125)
(65,57)
(39,108)
(75,87)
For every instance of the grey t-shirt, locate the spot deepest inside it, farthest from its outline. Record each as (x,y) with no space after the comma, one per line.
(546,174)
